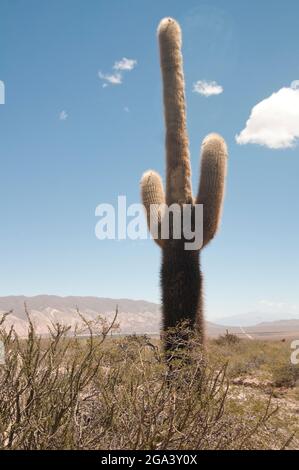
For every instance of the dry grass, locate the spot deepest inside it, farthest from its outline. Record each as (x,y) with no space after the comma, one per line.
(94,392)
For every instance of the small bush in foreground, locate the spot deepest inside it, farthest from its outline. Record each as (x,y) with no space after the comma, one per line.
(87,391)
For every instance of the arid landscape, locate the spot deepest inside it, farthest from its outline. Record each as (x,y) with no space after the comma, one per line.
(97,389)
(149,150)
(262,391)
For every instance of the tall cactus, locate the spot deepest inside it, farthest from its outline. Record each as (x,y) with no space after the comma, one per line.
(181,279)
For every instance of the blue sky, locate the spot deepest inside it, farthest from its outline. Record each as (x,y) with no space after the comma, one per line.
(54,172)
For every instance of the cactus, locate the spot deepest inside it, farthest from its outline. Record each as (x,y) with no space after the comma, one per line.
(181,279)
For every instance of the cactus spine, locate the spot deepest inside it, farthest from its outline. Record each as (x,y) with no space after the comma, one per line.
(181,278)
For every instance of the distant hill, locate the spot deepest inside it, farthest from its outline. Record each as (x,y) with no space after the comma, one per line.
(98,304)
(254,318)
(135,316)
(276,329)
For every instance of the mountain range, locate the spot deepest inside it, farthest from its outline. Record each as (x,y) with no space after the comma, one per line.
(134,316)
(255,318)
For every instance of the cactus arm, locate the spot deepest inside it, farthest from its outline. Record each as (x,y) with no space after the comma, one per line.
(178,183)
(212,183)
(152,194)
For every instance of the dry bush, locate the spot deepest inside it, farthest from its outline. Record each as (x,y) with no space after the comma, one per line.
(227,340)
(285,374)
(93,392)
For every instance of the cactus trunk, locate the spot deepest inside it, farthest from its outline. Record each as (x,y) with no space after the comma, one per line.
(182,292)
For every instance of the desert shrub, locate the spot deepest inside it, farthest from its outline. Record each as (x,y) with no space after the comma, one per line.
(245,364)
(285,374)
(228,339)
(251,357)
(240,367)
(92,392)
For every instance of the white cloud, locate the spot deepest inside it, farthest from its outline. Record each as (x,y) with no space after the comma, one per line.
(125,64)
(63,115)
(274,122)
(207,88)
(116,78)
(126,109)
(113,79)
